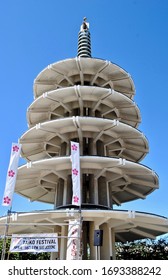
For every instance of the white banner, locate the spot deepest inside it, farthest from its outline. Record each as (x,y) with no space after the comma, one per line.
(73,243)
(75,158)
(11,174)
(34,243)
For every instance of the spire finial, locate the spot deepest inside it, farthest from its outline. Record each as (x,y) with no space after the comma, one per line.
(84,44)
(85,25)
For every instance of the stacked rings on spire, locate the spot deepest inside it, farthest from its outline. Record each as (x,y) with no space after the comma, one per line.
(84,44)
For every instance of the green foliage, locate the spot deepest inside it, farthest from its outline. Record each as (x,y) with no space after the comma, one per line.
(138,250)
(143,250)
(14,256)
(22,256)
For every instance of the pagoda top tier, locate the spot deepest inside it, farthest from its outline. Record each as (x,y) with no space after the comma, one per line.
(84,71)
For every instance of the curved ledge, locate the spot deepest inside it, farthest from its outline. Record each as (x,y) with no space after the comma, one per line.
(127,225)
(79,71)
(126,180)
(118,139)
(63,102)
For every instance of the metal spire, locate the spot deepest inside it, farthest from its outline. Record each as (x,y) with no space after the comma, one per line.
(84,42)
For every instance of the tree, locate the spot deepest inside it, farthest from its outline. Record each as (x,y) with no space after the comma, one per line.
(143,250)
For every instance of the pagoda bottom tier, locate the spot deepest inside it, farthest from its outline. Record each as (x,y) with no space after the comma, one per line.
(117,226)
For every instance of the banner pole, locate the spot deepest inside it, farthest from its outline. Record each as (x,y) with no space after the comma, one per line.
(6,233)
(80,220)
(80,236)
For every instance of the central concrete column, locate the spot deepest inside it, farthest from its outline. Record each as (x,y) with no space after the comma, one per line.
(65,192)
(102,189)
(63,242)
(84,240)
(55,255)
(91,241)
(113,244)
(60,188)
(105,249)
(69,190)
(91,189)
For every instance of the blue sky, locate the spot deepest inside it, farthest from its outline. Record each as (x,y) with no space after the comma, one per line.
(130,33)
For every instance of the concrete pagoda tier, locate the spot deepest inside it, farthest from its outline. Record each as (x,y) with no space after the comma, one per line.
(90,101)
(119,226)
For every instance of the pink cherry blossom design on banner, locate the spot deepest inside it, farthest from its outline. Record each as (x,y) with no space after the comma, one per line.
(74,147)
(75,171)
(76,198)
(74,231)
(7,200)
(11,173)
(15,148)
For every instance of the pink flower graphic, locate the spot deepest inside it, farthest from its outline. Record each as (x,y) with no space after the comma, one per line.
(15,148)
(75,171)
(74,147)
(73,252)
(75,198)
(11,173)
(73,232)
(7,200)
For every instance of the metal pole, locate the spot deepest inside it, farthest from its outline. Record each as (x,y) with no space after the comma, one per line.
(5,234)
(80,236)
(79,246)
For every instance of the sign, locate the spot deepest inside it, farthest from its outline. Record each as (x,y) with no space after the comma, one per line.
(11,175)
(75,158)
(34,243)
(73,243)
